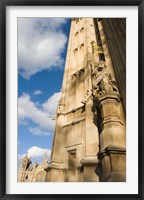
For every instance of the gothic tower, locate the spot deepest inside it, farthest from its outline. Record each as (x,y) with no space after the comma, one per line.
(29,172)
(90,140)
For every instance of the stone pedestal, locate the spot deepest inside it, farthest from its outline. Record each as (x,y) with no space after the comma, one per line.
(112,140)
(113,164)
(113,132)
(91,169)
(55,172)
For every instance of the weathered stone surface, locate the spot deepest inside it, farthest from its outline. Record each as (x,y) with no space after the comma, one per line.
(113,160)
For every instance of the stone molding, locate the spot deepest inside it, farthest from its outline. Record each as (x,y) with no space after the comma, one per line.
(55,165)
(109,97)
(111,149)
(74,122)
(89,160)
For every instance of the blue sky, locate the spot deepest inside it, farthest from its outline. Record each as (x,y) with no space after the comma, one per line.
(42,45)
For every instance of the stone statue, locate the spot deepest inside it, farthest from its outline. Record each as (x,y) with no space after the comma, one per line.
(103,82)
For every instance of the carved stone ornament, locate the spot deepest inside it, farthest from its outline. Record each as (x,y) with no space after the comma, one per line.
(59,109)
(98,68)
(78,73)
(103,82)
(87,94)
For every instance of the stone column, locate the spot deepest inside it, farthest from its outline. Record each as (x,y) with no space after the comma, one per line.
(112,154)
(112,140)
(90,161)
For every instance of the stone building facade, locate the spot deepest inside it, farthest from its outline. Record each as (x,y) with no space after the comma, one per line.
(29,172)
(89,143)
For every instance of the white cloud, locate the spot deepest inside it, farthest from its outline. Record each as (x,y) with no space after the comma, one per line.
(41,115)
(37,92)
(36,152)
(51,104)
(40,44)
(20,157)
(33,153)
(28,110)
(39,131)
(22,121)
